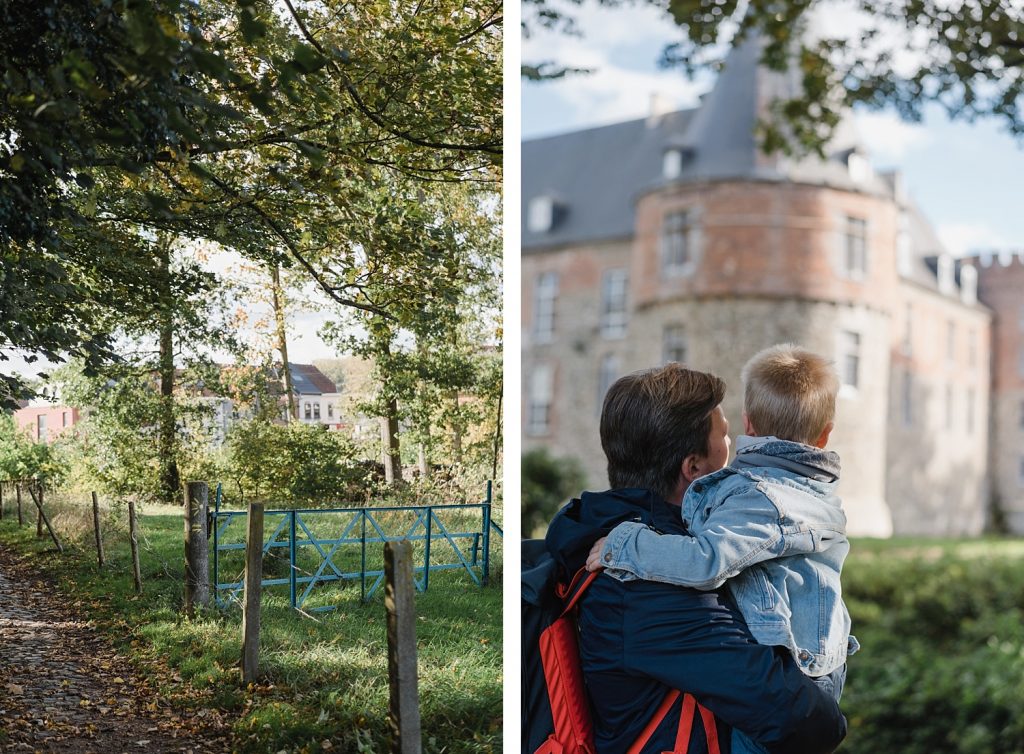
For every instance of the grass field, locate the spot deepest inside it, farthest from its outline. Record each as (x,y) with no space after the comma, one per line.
(325,675)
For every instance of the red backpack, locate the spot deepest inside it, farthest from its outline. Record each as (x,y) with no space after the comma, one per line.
(570,709)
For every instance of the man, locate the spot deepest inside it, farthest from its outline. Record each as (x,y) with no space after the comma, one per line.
(660,430)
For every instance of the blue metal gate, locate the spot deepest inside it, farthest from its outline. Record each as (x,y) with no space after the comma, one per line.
(335,545)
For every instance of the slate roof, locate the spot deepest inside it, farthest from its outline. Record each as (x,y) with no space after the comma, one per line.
(596,175)
(308,380)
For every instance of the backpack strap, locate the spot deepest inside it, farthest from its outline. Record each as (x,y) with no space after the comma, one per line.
(710,729)
(575,589)
(654,722)
(686,718)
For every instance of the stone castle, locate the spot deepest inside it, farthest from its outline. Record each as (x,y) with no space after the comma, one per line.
(674,238)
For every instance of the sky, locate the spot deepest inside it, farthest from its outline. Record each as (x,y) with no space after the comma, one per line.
(965,177)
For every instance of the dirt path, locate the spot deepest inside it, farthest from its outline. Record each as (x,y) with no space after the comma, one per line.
(64,689)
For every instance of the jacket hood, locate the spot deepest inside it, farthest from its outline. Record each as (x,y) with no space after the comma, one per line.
(805,460)
(584,520)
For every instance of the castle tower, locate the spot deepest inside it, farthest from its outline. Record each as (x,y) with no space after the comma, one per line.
(1000,286)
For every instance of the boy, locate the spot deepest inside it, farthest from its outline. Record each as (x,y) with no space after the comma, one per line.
(770,524)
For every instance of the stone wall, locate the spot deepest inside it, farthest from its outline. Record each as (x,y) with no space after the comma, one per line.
(1001,287)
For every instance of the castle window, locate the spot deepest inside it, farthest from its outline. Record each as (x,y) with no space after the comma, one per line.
(1020,318)
(674,346)
(330,410)
(540,214)
(607,373)
(970,411)
(951,343)
(904,247)
(1020,361)
(41,431)
(949,407)
(545,293)
(316,411)
(1020,472)
(1021,418)
(614,315)
(64,419)
(908,331)
(849,358)
(308,411)
(855,248)
(907,399)
(538,412)
(676,254)
(972,348)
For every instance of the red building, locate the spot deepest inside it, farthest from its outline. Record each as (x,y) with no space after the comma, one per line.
(45,421)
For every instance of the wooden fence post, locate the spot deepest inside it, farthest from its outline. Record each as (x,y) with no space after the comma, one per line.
(197,556)
(253,588)
(401,617)
(133,538)
(17,494)
(96,526)
(42,516)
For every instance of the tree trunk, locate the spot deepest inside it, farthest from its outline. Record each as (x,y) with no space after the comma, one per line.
(282,342)
(497,436)
(456,429)
(423,464)
(170,481)
(390,444)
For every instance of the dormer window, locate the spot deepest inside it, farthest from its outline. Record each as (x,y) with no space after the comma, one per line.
(672,164)
(969,285)
(540,214)
(859,167)
(946,273)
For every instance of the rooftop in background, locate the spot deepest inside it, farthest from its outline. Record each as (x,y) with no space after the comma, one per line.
(308,380)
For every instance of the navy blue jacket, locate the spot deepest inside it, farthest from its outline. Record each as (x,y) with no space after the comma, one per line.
(638,639)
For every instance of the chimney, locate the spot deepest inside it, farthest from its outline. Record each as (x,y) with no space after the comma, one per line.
(660,105)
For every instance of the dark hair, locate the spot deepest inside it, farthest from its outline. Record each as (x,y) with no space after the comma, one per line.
(652,420)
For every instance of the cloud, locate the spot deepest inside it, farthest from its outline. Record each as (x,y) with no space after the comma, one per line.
(888,139)
(621,46)
(962,238)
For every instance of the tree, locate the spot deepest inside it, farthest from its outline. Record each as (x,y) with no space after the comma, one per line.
(255,125)
(435,260)
(968,57)
(89,88)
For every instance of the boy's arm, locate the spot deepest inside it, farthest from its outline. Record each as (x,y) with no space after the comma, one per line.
(742,531)
(747,685)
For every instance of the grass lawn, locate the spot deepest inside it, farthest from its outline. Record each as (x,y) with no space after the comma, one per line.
(325,675)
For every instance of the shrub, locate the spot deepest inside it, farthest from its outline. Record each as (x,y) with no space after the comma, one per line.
(942,664)
(547,483)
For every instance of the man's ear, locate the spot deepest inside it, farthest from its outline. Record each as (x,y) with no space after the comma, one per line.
(822,440)
(692,468)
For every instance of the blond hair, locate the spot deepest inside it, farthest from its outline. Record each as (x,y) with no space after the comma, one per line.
(790,393)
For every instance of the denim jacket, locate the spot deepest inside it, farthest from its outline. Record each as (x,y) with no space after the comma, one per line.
(771,525)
